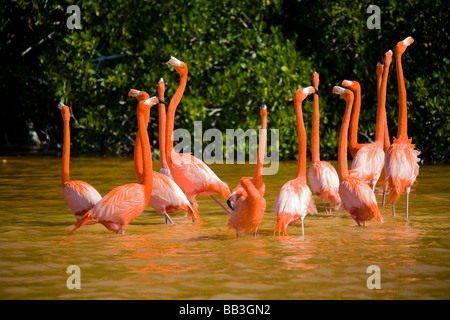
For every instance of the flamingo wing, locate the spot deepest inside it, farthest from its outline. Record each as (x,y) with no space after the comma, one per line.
(368,163)
(324,182)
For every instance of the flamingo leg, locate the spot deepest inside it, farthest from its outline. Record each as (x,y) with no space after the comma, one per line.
(220,204)
(384,198)
(407,202)
(393,209)
(254,235)
(357,221)
(325,207)
(364,223)
(168,220)
(303,229)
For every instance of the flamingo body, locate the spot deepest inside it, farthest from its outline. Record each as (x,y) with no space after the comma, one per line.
(167,197)
(358,199)
(401,167)
(195,178)
(293,203)
(324,182)
(248,210)
(80,197)
(368,163)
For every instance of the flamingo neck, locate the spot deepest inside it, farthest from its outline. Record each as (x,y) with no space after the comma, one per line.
(402,132)
(66,153)
(301,164)
(257,177)
(342,152)
(147,179)
(381,110)
(162,133)
(353,132)
(315,139)
(171,116)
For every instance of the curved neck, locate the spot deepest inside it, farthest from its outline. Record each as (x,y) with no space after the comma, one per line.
(147,179)
(301,164)
(354,146)
(342,153)
(66,153)
(171,116)
(315,139)
(402,131)
(257,177)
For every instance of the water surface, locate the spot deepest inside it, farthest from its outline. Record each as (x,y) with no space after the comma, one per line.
(191,261)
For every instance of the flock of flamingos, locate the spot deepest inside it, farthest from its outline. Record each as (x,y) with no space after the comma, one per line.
(183,177)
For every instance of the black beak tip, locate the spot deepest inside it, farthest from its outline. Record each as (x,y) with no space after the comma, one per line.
(382,60)
(230,204)
(316,91)
(262,105)
(165,59)
(162,101)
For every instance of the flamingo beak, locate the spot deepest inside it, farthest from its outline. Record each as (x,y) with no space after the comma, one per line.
(316,91)
(161,100)
(166,59)
(60,105)
(263,105)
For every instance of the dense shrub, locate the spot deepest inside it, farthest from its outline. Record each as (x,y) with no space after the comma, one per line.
(238,53)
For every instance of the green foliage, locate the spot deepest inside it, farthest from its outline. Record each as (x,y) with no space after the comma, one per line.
(238,53)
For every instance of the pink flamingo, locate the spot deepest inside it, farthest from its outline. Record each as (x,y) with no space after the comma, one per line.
(257,177)
(322,176)
(249,204)
(295,201)
(193,176)
(167,197)
(80,196)
(368,161)
(125,203)
(356,195)
(401,164)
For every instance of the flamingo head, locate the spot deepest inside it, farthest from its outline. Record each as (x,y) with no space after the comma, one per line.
(145,105)
(315,81)
(263,109)
(351,84)
(161,88)
(346,94)
(388,58)
(402,45)
(140,95)
(302,93)
(65,111)
(179,66)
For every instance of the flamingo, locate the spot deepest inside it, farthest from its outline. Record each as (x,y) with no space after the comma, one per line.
(167,197)
(368,162)
(125,203)
(193,176)
(257,177)
(249,205)
(356,195)
(322,176)
(295,201)
(80,196)
(401,163)
(162,130)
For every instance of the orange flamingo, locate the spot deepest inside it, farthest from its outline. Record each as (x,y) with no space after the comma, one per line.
(167,197)
(249,204)
(295,201)
(80,196)
(356,195)
(257,177)
(193,176)
(125,203)
(368,162)
(322,176)
(162,130)
(401,164)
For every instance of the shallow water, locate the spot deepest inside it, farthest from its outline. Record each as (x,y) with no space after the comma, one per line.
(191,261)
